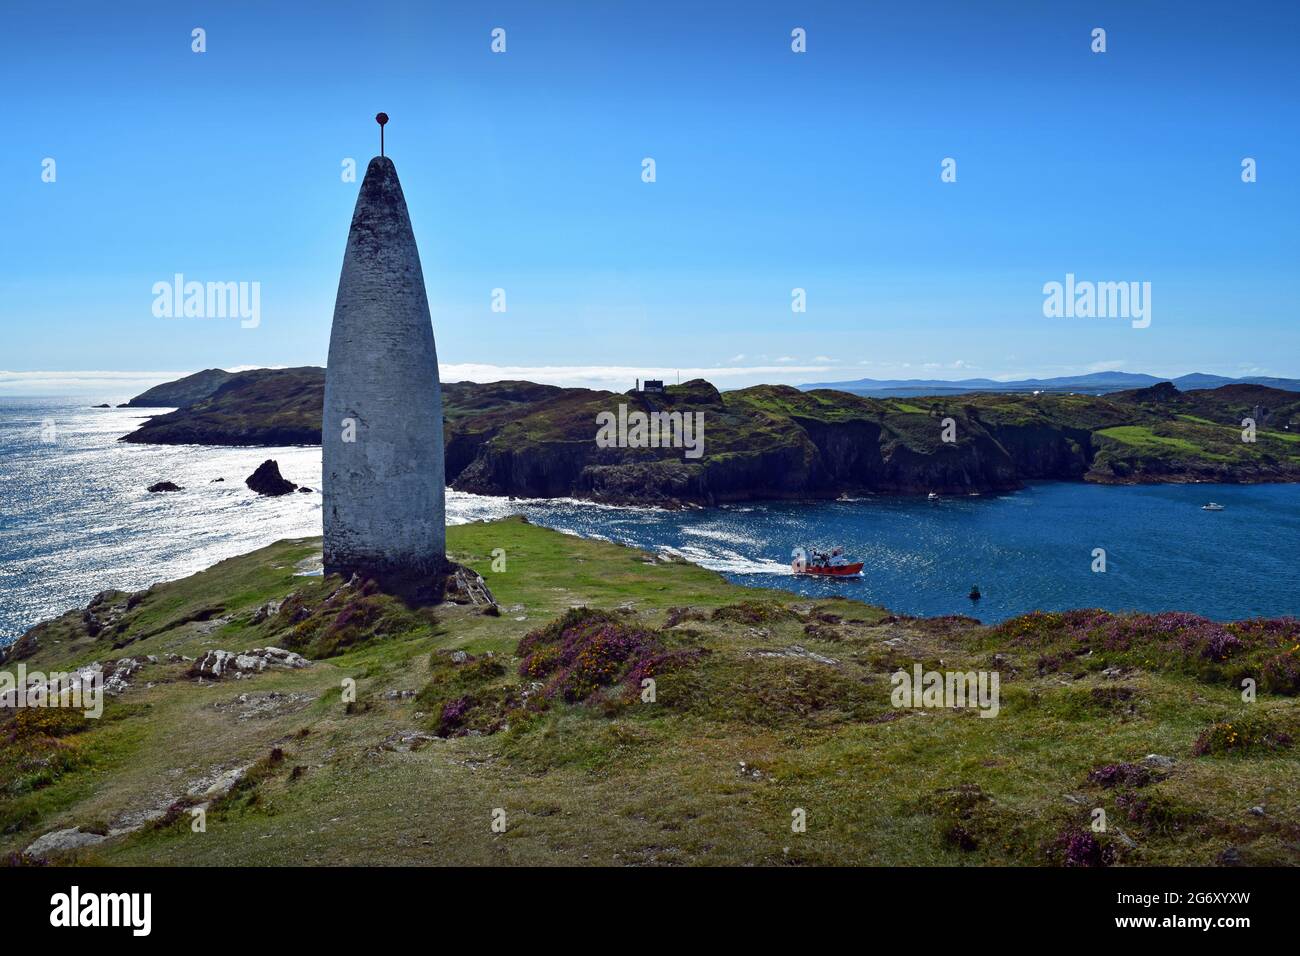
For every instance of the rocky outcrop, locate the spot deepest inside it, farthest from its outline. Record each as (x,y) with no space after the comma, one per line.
(112,677)
(165,486)
(223,665)
(217,785)
(464,586)
(268,481)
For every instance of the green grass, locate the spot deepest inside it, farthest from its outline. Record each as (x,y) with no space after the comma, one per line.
(1145,437)
(620,781)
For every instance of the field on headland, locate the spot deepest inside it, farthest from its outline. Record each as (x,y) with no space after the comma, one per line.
(765,704)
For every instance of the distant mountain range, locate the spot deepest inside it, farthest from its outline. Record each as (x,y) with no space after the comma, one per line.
(1097,383)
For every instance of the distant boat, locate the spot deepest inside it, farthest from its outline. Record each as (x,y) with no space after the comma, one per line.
(932,496)
(1212,506)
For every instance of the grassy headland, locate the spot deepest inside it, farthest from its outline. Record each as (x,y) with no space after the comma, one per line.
(774,441)
(765,702)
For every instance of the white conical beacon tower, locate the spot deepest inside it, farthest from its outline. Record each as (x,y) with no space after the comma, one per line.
(383,470)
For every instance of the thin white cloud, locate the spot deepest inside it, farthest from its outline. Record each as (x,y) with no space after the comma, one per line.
(105,383)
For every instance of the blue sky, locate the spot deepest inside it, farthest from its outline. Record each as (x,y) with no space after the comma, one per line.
(775,170)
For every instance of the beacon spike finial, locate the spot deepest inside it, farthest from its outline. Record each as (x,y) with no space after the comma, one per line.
(382,120)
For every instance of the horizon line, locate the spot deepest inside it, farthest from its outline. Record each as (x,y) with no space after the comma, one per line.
(116,383)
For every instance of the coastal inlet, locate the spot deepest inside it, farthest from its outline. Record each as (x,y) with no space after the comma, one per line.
(76,519)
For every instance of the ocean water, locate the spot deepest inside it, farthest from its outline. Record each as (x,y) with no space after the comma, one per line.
(75,519)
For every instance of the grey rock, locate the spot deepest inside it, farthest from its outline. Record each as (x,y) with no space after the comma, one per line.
(463,586)
(273,704)
(267,610)
(113,677)
(209,788)
(1230,857)
(119,678)
(60,841)
(795,650)
(1158,760)
(405,741)
(266,480)
(1123,837)
(218,664)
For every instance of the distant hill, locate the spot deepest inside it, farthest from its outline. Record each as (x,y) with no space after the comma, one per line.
(775,441)
(183,392)
(265,406)
(1096,383)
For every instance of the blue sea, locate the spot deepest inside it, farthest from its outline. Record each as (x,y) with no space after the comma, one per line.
(75,519)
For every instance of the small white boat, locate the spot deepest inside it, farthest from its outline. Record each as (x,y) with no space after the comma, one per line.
(1212,506)
(932,496)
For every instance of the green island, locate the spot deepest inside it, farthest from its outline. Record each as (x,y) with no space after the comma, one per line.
(530,713)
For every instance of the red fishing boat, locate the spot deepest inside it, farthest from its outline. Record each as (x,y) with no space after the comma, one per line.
(832,564)
(834,570)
